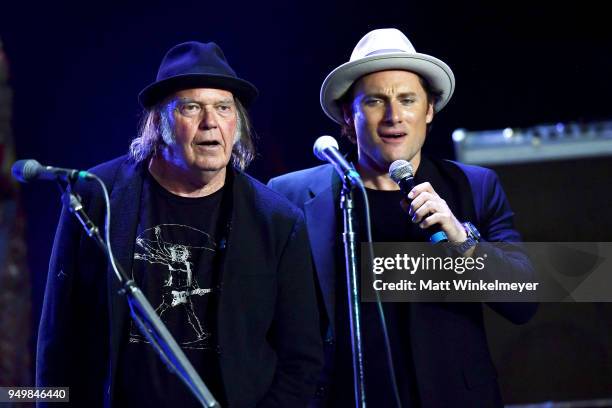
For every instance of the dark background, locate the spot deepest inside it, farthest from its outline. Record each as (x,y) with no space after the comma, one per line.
(76,70)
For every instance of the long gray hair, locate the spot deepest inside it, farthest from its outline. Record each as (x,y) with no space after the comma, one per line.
(155,128)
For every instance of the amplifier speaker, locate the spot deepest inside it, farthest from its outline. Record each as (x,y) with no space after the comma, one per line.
(554,201)
(565,352)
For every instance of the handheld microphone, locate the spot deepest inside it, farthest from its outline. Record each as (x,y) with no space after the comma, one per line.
(29,170)
(402,173)
(326,149)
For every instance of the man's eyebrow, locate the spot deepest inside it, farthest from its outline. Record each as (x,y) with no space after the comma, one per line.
(375,95)
(408,93)
(228,100)
(185,100)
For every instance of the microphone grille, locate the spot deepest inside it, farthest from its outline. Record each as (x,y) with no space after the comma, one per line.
(322,143)
(26,170)
(400,169)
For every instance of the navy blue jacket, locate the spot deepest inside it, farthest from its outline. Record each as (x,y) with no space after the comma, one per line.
(452,363)
(267,320)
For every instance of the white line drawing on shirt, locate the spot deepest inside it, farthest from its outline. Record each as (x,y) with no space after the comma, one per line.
(179,285)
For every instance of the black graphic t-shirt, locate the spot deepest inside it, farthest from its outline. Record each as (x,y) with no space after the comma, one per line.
(176,265)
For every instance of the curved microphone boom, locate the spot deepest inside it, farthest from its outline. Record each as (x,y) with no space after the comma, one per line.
(326,149)
(29,170)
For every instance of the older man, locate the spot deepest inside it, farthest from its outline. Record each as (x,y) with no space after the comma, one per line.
(224,260)
(385,99)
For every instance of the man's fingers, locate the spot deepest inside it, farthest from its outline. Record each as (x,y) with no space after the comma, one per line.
(435,218)
(421,188)
(419,201)
(429,207)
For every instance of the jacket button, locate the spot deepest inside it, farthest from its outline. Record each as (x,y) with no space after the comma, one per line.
(329,341)
(320,391)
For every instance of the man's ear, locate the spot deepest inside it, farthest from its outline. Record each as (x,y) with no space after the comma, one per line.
(430,113)
(349,123)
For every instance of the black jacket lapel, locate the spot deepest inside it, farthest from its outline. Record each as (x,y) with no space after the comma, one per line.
(320,213)
(125,207)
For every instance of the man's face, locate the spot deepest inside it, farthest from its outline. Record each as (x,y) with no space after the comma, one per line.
(390,114)
(203,122)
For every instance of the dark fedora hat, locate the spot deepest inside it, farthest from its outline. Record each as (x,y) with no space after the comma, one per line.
(195,65)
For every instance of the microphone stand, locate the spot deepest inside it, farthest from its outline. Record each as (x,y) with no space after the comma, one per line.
(350,253)
(142,312)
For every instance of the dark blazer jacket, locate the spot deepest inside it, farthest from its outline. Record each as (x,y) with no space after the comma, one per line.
(267,320)
(452,363)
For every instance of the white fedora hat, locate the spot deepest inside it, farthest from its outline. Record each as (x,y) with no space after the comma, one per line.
(381,50)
